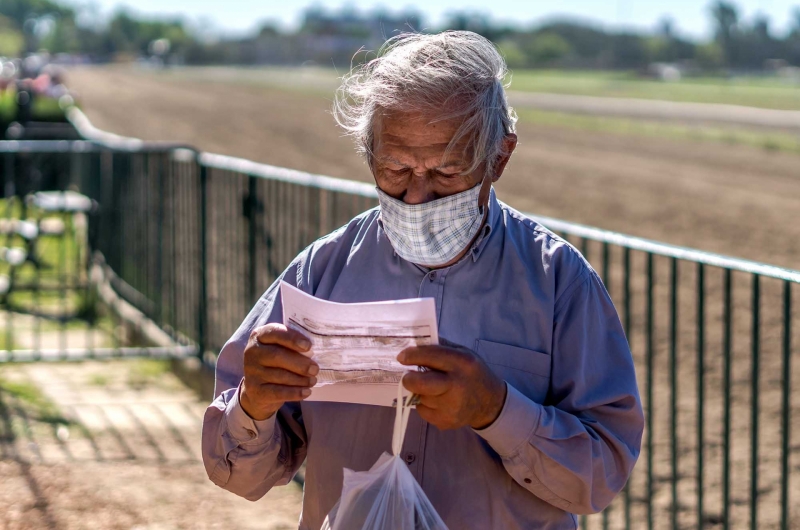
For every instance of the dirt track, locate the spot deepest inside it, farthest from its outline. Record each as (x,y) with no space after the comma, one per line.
(732,199)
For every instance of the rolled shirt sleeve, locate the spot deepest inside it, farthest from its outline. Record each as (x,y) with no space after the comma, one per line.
(577,450)
(242,455)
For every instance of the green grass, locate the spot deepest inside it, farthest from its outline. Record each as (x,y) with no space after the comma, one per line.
(99,380)
(32,398)
(43,109)
(8,107)
(145,372)
(59,257)
(771,141)
(765,92)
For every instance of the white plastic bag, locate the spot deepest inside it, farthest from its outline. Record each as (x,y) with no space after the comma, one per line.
(387,497)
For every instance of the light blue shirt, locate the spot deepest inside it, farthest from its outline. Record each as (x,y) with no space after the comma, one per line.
(529,304)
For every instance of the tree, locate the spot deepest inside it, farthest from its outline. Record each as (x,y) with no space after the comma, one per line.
(511,52)
(726,18)
(795,28)
(546,49)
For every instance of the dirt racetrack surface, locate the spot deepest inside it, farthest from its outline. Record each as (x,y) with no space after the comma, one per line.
(737,200)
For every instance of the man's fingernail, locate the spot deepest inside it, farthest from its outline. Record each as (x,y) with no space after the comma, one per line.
(304,343)
(312,381)
(401,357)
(305,392)
(313,369)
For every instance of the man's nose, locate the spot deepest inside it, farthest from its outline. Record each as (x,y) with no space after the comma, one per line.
(419,190)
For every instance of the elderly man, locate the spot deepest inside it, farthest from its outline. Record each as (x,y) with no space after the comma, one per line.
(529,411)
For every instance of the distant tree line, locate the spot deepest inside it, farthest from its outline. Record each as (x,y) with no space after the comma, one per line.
(334,39)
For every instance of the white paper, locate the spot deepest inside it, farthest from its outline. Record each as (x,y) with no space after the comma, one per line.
(356,345)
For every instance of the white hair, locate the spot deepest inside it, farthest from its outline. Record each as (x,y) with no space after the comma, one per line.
(448,75)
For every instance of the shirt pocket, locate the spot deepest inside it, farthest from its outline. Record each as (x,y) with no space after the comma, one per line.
(526,370)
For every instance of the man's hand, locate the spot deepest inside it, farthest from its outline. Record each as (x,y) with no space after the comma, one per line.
(459,389)
(275,370)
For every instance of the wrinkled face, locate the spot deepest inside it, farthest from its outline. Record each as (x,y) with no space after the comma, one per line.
(409,162)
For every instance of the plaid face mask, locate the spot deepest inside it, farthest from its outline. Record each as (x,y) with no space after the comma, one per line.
(431,233)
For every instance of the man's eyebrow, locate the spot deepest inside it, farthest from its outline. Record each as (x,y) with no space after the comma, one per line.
(452,164)
(387,158)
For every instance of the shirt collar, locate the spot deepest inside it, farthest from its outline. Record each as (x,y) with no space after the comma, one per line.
(491,223)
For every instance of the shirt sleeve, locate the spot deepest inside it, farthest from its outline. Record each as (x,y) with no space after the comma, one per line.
(578,449)
(241,455)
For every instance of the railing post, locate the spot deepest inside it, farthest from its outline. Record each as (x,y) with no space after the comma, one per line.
(786,405)
(650,342)
(252,214)
(756,343)
(727,333)
(163,161)
(701,296)
(673,369)
(202,316)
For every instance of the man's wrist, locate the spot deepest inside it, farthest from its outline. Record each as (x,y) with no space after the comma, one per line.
(248,408)
(494,410)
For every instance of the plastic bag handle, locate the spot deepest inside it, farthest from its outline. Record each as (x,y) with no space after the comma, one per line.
(402,412)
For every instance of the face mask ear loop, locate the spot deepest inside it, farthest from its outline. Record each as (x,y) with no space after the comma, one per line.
(402,412)
(483,207)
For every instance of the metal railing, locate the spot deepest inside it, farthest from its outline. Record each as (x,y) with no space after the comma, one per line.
(193,239)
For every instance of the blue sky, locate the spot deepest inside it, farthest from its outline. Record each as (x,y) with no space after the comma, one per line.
(240,16)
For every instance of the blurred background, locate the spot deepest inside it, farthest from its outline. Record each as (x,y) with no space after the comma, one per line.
(673,121)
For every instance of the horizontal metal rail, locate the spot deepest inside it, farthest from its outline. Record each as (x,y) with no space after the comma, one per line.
(248,167)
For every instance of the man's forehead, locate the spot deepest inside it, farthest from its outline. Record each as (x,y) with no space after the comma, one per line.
(415,130)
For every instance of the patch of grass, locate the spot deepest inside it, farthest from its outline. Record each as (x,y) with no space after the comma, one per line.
(764,92)
(772,141)
(752,91)
(40,408)
(47,109)
(145,372)
(99,380)
(8,106)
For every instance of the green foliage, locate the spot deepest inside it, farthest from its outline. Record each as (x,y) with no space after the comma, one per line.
(19,11)
(8,107)
(710,56)
(12,41)
(546,49)
(131,35)
(64,38)
(514,56)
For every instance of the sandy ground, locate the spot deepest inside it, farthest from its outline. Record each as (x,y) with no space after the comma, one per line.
(121,450)
(738,200)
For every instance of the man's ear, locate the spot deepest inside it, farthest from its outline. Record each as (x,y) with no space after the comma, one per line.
(509,144)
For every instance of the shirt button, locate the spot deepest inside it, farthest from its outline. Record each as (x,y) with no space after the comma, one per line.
(432,275)
(410,457)
(527,481)
(251,433)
